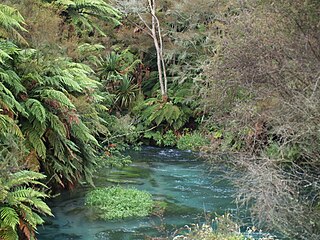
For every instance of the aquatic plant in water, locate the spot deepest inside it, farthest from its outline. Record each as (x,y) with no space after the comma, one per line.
(118,202)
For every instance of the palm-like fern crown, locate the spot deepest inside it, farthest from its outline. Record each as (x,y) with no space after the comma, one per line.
(54,127)
(10,87)
(11,23)
(81,12)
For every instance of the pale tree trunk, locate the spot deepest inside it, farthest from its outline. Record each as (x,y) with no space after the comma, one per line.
(155,33)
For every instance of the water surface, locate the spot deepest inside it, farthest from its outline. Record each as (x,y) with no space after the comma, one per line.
(179,178)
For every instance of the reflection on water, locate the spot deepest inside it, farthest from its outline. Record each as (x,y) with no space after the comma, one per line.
(176,177)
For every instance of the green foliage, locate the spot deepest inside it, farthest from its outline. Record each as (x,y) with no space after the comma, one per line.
(10,87)
(226,230)
(50,120)
(118,202)
(156,112)
(168,139)
(192,141)
(20,205)
(115,159)
(123,131)
(287,153)
(126,92)
(117,64)
(11,23)
(82,13)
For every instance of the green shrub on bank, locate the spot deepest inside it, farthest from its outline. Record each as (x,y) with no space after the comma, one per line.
(168,139)
(118,202)
(192,141)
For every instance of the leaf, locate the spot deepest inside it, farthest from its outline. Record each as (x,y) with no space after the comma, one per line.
(37,143)
(9,217)
(10,22)
(57,95)
(36,110)
(82,132)
(8,125)
(57,125)
(25,177)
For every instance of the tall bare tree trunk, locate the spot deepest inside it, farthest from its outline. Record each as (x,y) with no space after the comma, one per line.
(158,43)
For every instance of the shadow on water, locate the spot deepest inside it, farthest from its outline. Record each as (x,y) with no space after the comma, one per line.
(175,177)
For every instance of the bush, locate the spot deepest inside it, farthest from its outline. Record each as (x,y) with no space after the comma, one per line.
(226,230)
(118,202)
(167,139)
(221,228)
(192,141)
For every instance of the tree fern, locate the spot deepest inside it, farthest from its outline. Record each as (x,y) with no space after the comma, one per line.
(60,97)
(9,126)
(8,100)
(59,150)
(36,141)
(35,110)
(25,177)
(11,23)
(20,204)
(9,217)
(10,87)
(81,131)
(58,133)
(12,80)
(81,13)
(156,112)
(3,56)
(7,233)
(56,125)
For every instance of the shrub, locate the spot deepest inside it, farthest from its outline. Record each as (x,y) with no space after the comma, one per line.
(167,139)
(192,141)
(118,202)
(221,228)
(226,230)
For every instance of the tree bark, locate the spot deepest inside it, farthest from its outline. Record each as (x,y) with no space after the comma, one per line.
(158,44)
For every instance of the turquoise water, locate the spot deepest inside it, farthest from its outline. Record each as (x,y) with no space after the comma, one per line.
(191,190)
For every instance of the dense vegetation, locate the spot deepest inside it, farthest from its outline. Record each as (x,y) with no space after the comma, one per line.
(80,80)
(118,202)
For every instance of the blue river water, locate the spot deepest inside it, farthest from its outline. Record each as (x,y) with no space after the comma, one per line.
(191,190)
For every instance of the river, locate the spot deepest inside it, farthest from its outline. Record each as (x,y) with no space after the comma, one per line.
(179,178)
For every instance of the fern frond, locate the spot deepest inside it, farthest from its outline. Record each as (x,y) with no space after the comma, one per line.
(58,96)
(12,79)
(37,143)
(10,22)
(82,132)
(57,125)
(9,100)
(89,48)
(27,217)
(9,217)
(56,142)
(68,81)
(171,112)
(41,206)
(25,177)
(36,110)
(81,12)
(4,56)
(8,234)
(8,125)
